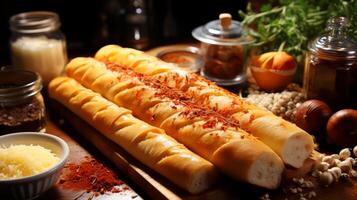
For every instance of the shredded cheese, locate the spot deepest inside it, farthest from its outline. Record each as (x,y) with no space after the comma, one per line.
(25,160)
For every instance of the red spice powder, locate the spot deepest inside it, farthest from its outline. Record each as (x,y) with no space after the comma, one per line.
(178,97)
(89,175)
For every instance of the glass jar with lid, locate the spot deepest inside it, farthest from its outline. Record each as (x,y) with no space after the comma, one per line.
(224,46)
(331,67)
(37,44)
(21,103)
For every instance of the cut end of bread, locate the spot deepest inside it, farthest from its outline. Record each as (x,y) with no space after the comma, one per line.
(250,161)
(266,171)
(297,149)
(202,180)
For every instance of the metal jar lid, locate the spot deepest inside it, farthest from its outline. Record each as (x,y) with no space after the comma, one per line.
(224,31)
(17,85)
(335,42)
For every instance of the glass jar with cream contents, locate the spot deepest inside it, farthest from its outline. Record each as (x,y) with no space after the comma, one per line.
(37,44)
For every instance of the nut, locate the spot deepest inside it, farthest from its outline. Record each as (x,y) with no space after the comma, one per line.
(309,184)
(328,159)
(299,189)
(323,166)
(353,174)
(344,177)
(336,173)
(311,194)
(345,166)
(335,156)
(337,162)
(350,160)
(293,190)
(345,153)
(326,178)
(316,173)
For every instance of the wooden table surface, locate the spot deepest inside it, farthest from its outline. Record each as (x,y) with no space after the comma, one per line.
(78,153)
(156,187)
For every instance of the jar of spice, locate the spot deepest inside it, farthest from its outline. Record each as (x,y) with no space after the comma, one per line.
(331,67)
(21,103)
(224,46)
(37,44)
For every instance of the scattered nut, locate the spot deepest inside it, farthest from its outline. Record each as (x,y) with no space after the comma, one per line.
(299,189)
(293,190)
(265,197)
(345,166)
(350,160)
(323,166)
(309,184)
(337,162)
(311,194)
(344,177)
(345,153)
(335,156)
(329,160)
(326,178)
(301,181)
(353,174)
(336,173)
(316,173)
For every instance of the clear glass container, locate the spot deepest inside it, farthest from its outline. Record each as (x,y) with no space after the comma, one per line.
(331,67)
(37,44)
(185,57)
(224,46)
(21,103)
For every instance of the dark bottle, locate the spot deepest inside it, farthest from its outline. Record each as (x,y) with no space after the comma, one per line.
(113,21)
(137,26)
(331,67)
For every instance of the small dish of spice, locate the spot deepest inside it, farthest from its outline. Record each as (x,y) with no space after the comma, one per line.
(21,103)
(185,57)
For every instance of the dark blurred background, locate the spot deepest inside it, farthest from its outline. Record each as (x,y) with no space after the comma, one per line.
(142,24)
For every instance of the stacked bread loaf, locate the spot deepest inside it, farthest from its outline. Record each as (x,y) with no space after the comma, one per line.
(207,133)
(148,144)
(291,143)
(179,110)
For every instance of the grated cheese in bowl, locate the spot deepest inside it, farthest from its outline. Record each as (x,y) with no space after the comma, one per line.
(18,161)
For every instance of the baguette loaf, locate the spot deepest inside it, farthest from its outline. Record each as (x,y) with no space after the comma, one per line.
(291,143)
(148,144)
(232,150)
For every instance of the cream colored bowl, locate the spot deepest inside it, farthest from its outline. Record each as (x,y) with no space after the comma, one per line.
(31,187)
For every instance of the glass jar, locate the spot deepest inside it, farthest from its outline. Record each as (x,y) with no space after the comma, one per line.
(331,67)
(21,103)
(224,46)
(37,44)
(186,57)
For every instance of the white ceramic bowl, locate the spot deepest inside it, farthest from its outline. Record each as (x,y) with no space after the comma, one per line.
(31,187)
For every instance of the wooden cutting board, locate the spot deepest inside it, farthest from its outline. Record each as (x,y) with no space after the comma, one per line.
(157,187)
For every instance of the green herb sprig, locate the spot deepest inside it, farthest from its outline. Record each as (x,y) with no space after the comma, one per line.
(293,23)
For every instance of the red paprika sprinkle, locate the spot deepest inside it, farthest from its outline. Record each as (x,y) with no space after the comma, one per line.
(91,176)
